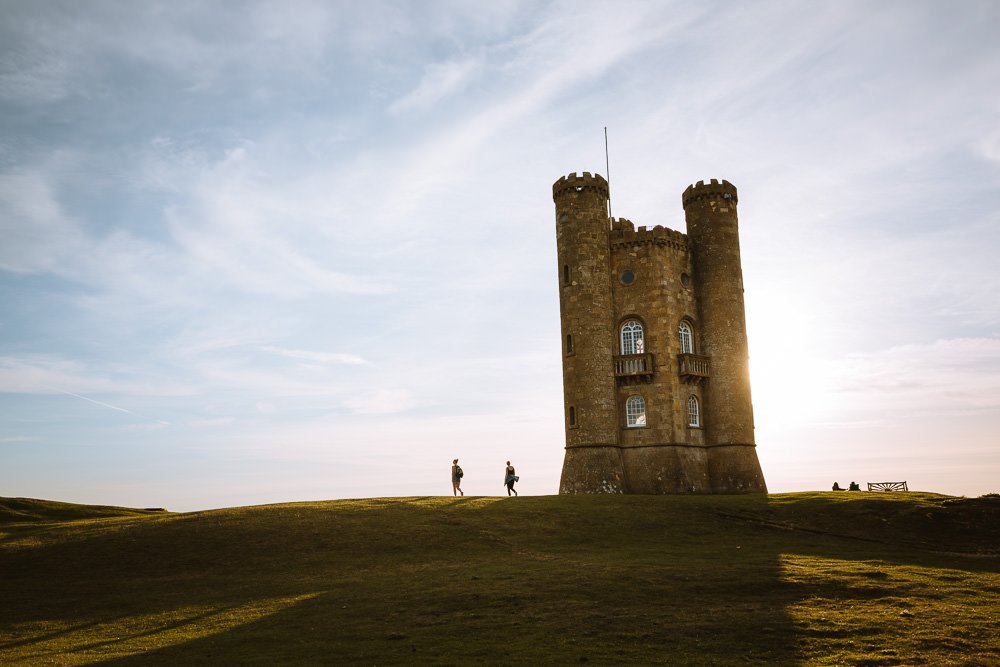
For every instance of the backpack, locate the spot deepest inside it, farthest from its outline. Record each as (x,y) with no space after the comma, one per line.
(458,472)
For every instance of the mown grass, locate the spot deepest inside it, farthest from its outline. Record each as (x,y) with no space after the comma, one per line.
(788,579)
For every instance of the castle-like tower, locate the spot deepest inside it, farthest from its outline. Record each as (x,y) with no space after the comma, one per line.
(655,375)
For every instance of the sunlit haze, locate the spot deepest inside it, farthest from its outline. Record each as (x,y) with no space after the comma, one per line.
(274,251)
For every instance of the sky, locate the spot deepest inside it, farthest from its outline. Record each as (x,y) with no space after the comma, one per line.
(256,252)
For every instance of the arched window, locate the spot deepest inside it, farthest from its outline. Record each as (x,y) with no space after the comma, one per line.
(694,411)
(635,412)
(687,337)
(632,339)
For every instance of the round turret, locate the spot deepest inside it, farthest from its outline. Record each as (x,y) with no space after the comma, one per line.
(585,307)
(712,190)
(584,182)
(712,227)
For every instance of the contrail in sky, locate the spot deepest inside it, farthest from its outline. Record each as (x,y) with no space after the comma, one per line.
(108,405)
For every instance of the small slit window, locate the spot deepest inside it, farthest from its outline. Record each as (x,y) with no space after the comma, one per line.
(635,412)
(569,343)
(694,412)
(686,337)
(572,416)
(632,339)
(565,274)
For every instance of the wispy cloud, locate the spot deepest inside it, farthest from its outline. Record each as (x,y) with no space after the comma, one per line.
(49,374)
(944,377)
(440,80)
(238,224)
(46,374)
(38,234)
(381,402)
(317,357)
(989,145)
(14,439)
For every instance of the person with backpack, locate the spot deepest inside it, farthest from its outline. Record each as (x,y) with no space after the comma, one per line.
(456,478)
(510,478)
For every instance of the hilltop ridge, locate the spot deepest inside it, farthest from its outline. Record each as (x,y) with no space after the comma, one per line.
(806,578)
(22,510)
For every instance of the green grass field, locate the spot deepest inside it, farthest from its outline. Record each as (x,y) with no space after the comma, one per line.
(787,579)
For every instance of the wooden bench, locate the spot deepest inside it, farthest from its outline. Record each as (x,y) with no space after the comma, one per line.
(887,486)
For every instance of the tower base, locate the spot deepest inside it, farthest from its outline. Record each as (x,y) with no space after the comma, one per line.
(735,469)
(594,469)
(662,469)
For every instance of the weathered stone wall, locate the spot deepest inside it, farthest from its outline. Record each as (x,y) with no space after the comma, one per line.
(586,315)
(659,295)
(592,470)
(667,469)
(735,469)
(656,259)
(712,226)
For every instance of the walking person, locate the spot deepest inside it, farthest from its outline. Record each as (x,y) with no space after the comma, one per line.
(509,478)
(456,479)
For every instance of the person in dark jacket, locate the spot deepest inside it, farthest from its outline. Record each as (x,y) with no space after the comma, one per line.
(456,479)
(509,478)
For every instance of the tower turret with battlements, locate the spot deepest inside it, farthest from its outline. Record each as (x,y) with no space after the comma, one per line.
(655,377)
(593,458)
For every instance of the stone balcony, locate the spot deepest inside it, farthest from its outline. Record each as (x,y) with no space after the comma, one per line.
(693,366)
(633,365)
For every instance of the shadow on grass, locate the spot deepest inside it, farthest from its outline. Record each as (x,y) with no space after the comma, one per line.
(557,580)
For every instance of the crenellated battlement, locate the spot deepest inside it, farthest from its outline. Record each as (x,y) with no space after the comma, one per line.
(580,183)
(714,189)
(621,224)
(624,233)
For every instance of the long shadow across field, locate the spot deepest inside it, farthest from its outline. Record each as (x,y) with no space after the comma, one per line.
(609,580)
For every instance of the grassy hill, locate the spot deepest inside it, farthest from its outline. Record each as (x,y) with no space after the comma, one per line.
(788,579)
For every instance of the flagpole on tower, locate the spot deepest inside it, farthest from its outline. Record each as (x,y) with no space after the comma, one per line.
(607,168)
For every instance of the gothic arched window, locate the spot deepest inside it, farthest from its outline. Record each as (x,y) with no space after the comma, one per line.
(694,411)
(632,338)
(635,412)
(687,337)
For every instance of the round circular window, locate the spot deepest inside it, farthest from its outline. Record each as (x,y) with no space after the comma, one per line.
(628,277)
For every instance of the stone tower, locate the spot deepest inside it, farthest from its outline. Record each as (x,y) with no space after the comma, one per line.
(655,365)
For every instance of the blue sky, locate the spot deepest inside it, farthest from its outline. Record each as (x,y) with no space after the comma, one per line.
(270,251)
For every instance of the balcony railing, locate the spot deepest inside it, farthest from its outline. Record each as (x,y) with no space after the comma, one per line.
(693,366)
(632,365)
